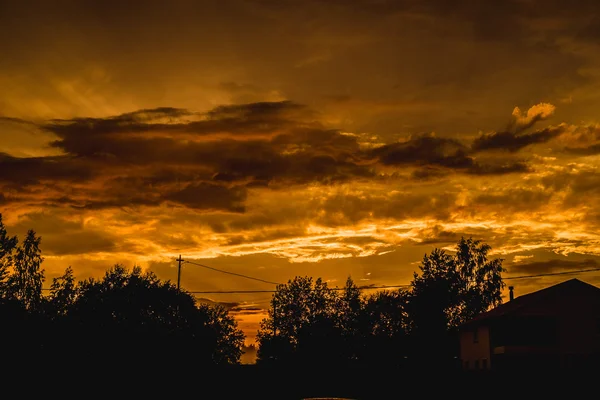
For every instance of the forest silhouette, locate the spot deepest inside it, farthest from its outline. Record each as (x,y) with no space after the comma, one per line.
(127,312)
(132,320)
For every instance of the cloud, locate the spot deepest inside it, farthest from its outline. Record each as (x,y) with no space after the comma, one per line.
(554,265)
(210,196)
(431,153)
(514,200)
(66,235)
(578,187)
(584,151)
(198,160)
(34,170)
(425,150)
(216,159)
(512,141)
(538,112)
(582,140)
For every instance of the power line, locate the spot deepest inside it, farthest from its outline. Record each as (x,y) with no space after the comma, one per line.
(396,286)
(553,273)
(232,273)
(360,287)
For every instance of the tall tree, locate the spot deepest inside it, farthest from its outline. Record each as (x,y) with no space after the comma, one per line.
(133,315)
(229,338)
(300,309)
(7,247)
(451,289)
(63,292)
(386,327)
(350,310)
(25,283)
(481,278)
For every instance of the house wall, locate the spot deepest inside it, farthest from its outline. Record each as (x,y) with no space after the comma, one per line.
(475,350)
(579,330)
(562,330)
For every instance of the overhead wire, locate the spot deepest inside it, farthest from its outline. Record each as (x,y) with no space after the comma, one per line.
(368,287)
(338,288)
(231,273)
(552,274)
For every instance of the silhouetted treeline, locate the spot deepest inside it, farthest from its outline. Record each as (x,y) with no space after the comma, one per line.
(308,322)
(130,317)
(124,319)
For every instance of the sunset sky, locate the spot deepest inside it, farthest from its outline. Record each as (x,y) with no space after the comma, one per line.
(282,138)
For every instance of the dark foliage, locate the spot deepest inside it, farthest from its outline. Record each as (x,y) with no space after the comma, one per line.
(127,319)
(310,322)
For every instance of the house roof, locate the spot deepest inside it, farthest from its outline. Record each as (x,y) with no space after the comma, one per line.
(539,302)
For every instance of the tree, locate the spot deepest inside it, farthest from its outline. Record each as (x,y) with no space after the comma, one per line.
(386,326)
(482,280)
(7,247)
(25,283)
(63,292)
(450,290)
(229,338)
(134,317)
(350,310)
(301,310)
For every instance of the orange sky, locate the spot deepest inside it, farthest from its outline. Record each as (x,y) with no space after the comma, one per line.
(284,138)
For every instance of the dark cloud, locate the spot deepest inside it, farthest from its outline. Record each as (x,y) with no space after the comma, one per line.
(590,31)
(163,118)
(297,149)
(151,156)
(345,209)
(515,200)
(247,310)
(425,150)
(33,170)
(508,167)
(211,160)
(87,136)
(17,121)
(541,267)
(228,305)
(432,153)
(513,142)
(210,196)
(437,235)
(581,187)
(584,151)
(63,237)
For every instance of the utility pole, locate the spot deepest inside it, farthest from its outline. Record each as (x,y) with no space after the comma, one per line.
(179,261)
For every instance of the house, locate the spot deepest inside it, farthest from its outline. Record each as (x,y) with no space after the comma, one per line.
(556,327)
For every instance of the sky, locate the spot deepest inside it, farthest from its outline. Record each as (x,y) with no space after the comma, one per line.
(285,138)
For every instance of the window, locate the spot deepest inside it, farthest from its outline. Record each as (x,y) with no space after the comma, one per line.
(466,364)
(484,363)
(476,364)
(476,336)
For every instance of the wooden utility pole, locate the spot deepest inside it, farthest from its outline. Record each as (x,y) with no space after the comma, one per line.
(179,261)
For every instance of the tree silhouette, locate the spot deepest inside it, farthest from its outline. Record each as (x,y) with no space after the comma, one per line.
(229,338)
(7,247)
(63,292)
(350,310)
(386,327)
(301,309)
(25,283)
(133,316)
(450,290)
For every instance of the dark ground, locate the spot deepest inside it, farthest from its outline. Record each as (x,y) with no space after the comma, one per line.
(185,381)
